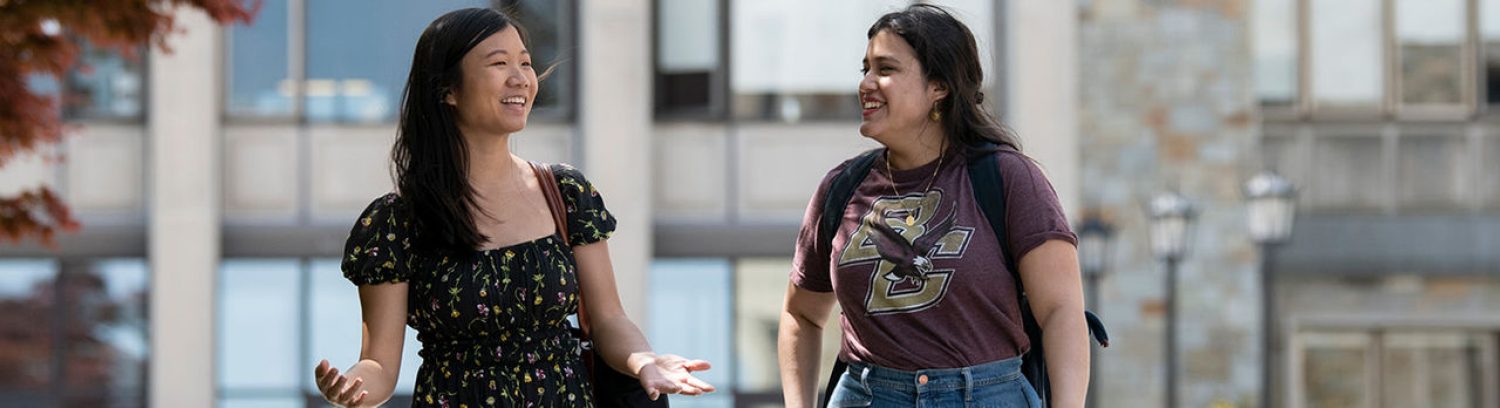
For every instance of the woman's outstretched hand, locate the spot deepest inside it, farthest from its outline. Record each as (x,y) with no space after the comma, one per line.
(672,374)
(338,389)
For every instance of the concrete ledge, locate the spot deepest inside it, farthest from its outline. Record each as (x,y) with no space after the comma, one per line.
(1382,245)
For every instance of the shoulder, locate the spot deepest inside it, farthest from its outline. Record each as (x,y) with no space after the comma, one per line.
(564,170)
(1015,165)
(386,204)
(571,182)
(848,164)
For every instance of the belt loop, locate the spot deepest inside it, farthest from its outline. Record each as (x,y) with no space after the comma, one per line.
(864,378)
(968,385)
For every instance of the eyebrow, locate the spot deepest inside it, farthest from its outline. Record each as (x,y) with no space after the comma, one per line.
(503,51)
(882,58)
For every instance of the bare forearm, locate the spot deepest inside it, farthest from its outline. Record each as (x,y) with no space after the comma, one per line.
(1067,345)
(625,348)
(379,380)
(798,350)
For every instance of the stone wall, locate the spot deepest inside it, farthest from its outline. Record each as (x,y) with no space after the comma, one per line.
(1166,97)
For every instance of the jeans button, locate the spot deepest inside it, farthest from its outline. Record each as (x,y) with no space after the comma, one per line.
(922,379)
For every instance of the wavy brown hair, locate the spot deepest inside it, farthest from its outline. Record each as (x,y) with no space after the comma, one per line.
(950,56)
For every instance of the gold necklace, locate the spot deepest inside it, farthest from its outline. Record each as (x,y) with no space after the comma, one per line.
(910,220)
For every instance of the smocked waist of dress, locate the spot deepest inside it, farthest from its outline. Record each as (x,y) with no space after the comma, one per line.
(517,347)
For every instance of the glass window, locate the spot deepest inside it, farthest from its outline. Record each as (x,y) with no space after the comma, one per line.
(1433,369)
(1433,171)
(334,322)
(1431,37)
(778,74)
(105,85)
(1489,28)
(760,285)
(1347,53)
(546,25)
(357,72)
(259,332)
(1351,173)
(43,85)
(690,315)
(1335,370)
(259,81)
(1282,155)
(1275,26)
(26,347)
(687,55)
(105,344)
(74,333)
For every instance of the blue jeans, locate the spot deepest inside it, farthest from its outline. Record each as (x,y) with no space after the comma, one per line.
(996,384)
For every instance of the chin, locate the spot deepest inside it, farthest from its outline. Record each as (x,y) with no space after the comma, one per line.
(513,126)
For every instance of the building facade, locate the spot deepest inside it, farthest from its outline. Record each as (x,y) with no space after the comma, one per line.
(217,184)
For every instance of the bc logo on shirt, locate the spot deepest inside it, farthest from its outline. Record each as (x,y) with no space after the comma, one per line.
(905,277)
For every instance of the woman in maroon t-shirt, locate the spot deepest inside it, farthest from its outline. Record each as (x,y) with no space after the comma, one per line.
(930,311)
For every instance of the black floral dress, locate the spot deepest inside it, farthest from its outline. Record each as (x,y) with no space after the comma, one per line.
(493,327)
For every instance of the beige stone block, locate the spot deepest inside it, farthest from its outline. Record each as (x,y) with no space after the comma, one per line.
(261,170)
(350,167)
(691,178)
(105,169)
(781,165)
(545,142)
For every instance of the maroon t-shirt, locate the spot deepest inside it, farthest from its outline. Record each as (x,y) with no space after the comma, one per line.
(936,293)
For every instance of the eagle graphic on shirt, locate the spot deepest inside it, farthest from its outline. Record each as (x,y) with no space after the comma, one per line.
(904,277)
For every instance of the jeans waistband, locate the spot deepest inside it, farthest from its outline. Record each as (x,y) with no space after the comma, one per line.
(962,378)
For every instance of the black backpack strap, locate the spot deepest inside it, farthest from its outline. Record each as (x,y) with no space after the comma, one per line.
(989,191)
(840,191)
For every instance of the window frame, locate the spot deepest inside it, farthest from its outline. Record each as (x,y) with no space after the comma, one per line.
(297,56)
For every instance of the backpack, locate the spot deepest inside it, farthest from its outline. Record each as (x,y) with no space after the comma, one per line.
(989,191)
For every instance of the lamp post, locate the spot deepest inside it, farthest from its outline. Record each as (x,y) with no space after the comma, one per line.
(1272,210)
(1171,218)
(1094,246)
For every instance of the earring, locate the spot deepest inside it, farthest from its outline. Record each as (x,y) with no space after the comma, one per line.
(935,116)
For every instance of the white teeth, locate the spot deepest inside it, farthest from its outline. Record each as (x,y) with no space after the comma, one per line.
(873,105)
(514,100)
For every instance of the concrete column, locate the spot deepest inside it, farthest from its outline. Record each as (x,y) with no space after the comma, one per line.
(183,197)
(1042,99)
(614,106)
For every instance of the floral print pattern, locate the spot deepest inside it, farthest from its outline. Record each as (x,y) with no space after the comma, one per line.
(493,327)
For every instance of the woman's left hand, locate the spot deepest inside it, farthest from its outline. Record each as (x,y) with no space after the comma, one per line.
(672,374)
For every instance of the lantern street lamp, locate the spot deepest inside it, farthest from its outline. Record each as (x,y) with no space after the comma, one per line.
(1171,219)
(1272,210)
(1095,245)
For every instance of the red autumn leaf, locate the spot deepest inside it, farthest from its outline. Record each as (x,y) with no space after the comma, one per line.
(42,37)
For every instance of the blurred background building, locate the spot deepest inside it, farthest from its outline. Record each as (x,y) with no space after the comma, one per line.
(217,183)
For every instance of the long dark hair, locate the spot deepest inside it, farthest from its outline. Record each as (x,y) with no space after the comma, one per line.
(950,56)
(430,156)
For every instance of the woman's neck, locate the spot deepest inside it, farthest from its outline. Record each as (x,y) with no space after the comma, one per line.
(490,160)
(915,152)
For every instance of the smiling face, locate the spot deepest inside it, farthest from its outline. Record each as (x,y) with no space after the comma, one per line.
(895,93)
(498,85)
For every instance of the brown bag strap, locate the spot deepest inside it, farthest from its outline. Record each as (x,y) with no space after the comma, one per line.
(548,181)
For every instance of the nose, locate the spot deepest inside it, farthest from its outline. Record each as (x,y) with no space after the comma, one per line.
(867,84)
(518,80)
